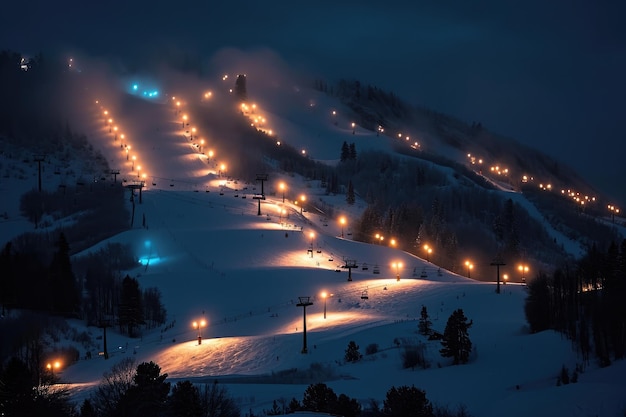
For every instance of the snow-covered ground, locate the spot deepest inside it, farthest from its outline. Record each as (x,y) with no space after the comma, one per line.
(213,257)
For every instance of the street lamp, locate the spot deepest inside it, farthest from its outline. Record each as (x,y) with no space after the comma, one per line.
(428,251)
(132,168)
(523,268)
(115,130)
(198,325)
(127,149)
(324,296)
(397,266)
(193,131)
(353,126)
(392,242)
(302,200)
(505,278)
(52,366)
(201,144)
(282,188)
(343,222)
(184,120)
(110,121)
(312,236)
(469,266)
(138,169)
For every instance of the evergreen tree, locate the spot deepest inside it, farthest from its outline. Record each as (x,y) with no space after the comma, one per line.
(352,152)
(537,304)
(294,405)
(455,342)
(64,293)
(148,393)
(319,398)
(352,352)
(345,152)
(184,400)
(407,401)
(350,197)
(424,322)
(240,87)
(347,407)
(130,310)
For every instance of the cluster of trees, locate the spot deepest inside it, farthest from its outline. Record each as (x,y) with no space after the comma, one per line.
(127,390)
(584,302)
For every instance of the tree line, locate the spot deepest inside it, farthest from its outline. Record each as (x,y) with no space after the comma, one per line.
(585,302)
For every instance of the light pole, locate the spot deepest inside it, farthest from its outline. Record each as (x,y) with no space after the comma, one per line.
(134,158)
(184,120)
(523,268)
(201,144)
(343,222)
(127,150)
(282,187)
(428,251)
(138,169)
(51,367)
(397,266)
(198,325)
(193,131)
(324,296)
(302,200)
(312,236)
(469,266)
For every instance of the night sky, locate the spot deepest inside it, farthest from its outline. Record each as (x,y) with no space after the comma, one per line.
(549,74)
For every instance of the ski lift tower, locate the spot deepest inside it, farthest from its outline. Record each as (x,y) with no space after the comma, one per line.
(350,263)
(259,197)
(497,263)
(304,303)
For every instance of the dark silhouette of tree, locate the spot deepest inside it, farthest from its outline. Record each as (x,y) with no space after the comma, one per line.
(352,152)
(537,306)
(148,393)
(113,387)
(154,310)
(350,197)
(240,87)
(21,394)
(424,322)
(456,343)
(64,294)
(352,352)
(407,401)
(294,405)
(130,309)
(347,407)
(184,401)
(319,398)
(345,152)
(217,403)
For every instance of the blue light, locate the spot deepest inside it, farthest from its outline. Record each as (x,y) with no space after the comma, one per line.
(135,87)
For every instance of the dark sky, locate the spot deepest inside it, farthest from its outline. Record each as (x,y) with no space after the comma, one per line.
(547,73)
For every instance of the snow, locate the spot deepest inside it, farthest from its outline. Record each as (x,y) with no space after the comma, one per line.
(213,257)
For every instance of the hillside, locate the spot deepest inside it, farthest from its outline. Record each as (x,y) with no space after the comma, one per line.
(198,237)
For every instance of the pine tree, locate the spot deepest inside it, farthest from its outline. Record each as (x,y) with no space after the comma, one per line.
(130,310)
(352,152)
(350,197)
(240,87)
(319,398)
(407,401)
(455,342)
(352,352)
(64,293)
(345,152)
(424,322)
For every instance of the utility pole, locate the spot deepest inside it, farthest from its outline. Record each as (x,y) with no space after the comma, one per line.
(115,173)
(497,263)
(304,303)
(39,159)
